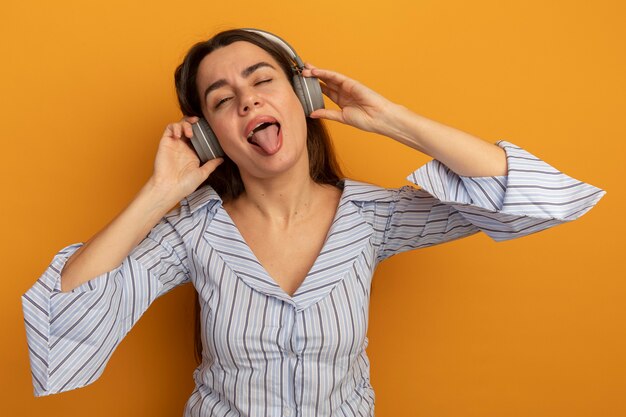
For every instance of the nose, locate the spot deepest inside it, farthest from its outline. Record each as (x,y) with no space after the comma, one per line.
(249,102)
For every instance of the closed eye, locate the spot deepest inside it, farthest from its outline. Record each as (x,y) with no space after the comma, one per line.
(222,101)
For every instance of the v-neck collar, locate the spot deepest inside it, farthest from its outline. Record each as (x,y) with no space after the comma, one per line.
(347,238)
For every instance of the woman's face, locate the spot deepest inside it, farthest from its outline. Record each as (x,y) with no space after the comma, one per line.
(253,110)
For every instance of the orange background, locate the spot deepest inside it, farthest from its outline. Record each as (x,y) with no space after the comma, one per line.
(530,327)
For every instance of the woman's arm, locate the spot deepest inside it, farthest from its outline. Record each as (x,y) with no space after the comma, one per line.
(365,109)
(471,185)
(176,174)
(463,153)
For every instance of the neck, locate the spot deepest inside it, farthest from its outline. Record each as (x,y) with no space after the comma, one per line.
(281,199)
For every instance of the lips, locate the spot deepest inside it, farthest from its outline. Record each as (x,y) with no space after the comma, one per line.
(256,124)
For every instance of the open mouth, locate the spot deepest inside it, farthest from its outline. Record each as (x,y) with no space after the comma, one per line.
(266,135)
(252,136)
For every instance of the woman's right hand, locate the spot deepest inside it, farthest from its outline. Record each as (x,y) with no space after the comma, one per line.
(177,173)
(177,169)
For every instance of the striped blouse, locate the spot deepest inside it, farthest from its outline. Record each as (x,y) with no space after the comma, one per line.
(266,353)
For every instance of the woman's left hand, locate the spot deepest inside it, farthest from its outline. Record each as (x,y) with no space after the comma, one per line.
(359,106)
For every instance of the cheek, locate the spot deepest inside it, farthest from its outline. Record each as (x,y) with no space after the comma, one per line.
(298,121)
(223,130)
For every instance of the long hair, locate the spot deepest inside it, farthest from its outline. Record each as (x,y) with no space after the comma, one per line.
(226,179)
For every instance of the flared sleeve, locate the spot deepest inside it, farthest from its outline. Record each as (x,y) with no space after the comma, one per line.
(72,335)
(533,196)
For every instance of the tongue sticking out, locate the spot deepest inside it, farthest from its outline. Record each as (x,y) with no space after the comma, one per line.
(267,139)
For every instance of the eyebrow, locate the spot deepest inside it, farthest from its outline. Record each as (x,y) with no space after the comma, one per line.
(245,74)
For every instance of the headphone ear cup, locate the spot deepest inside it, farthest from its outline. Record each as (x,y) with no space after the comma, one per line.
(309,92)
(299,89)
(205,142)
(315,90)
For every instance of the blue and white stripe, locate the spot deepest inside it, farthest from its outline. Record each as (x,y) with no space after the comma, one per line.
(267,353)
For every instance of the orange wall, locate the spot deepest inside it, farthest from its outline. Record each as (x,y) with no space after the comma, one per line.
(533,327)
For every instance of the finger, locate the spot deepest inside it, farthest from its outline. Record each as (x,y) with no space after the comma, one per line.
(177,130)
(187,129)
(307,69)
(329,88)
(170,130)
(308,74)
(210,166)
(190,119)
(328,114)
(329,76)
(330,93)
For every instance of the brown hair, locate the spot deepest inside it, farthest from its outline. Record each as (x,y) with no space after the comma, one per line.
(226,179)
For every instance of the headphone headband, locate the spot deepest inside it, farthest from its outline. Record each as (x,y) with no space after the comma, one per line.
(283,43)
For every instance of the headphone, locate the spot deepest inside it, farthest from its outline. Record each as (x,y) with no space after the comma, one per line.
(307,90)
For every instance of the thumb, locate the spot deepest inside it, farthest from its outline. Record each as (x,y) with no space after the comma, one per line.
(210,166)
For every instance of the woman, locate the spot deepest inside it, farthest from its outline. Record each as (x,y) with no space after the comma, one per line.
(280,252)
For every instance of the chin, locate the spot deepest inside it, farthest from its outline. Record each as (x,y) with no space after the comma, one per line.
(279,165)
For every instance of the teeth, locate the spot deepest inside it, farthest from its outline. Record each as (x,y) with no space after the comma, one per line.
(256,128)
